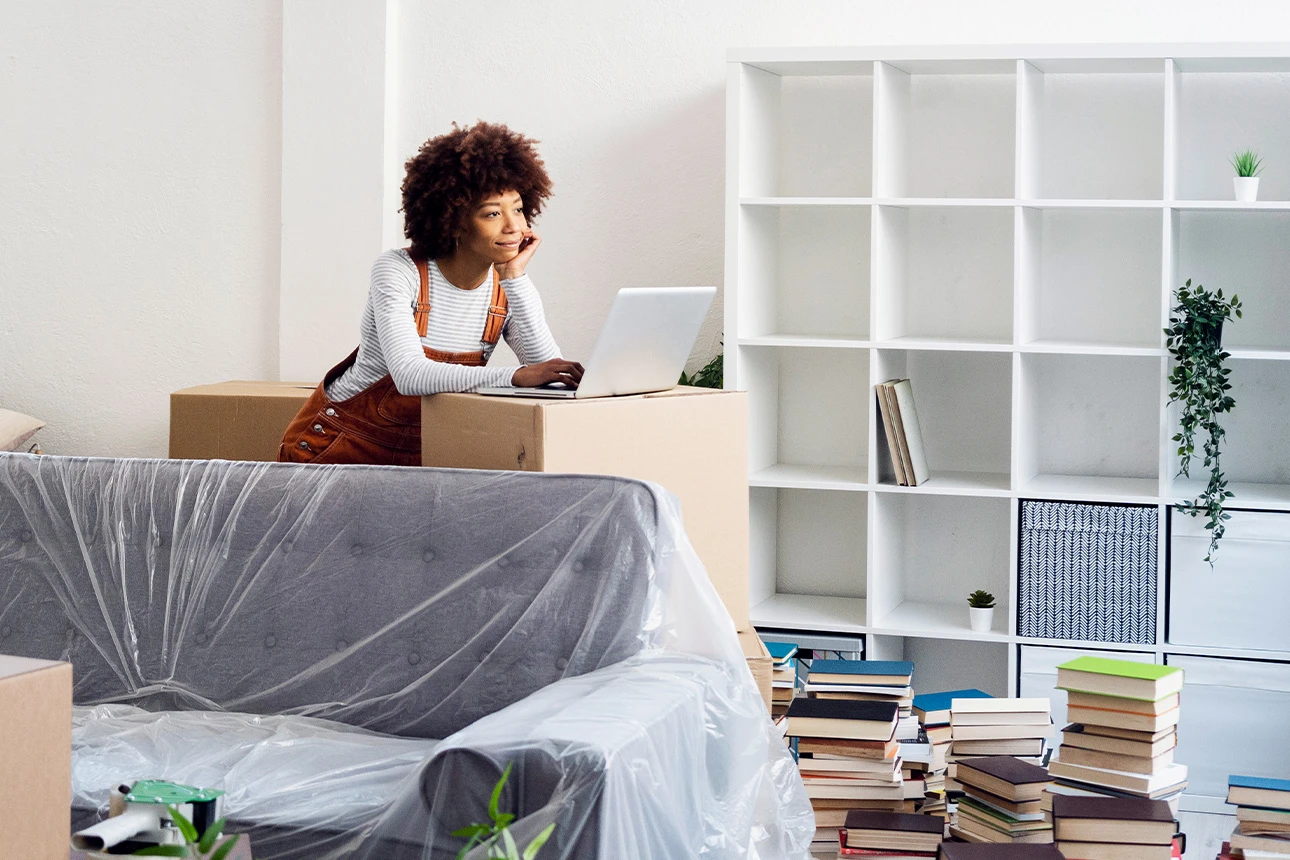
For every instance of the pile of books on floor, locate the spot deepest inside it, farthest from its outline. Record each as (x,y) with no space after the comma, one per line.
(1262,818)
(1124,719)
(783,676)
(847,755)
(865,681)
(904,439)
(1002,801)
(892,835)
(933,713)
(990,727)
(1113,828)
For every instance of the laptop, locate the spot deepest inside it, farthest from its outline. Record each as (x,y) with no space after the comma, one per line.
(642,346)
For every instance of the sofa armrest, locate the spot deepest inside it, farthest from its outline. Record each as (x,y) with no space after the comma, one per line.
(662,755)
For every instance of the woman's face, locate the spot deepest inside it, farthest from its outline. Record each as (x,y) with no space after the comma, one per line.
(496,228)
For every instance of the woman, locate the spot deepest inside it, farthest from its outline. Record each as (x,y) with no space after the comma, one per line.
(437,308)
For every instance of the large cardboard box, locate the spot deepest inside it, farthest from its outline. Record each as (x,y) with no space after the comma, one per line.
(35,758)
(759,662)
(693,441)
(236,420)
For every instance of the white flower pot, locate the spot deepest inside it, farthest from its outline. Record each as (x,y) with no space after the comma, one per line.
(982,619)
(1247,188)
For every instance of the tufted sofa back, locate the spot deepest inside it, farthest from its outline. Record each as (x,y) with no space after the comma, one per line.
(408,601)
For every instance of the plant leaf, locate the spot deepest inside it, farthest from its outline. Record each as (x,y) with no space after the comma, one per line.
(512,850)
(497,792)
(471,831)
(223,850)
(538,841)
(212,833)
(162,851)
(185,826)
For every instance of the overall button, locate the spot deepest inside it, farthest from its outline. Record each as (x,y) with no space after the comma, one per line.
(577,567)
(414,658)
(330,411)
(428,555)
(26,537)
(341,644)
(270,641)
(201,638)
(5,631)
(318,428)
(304,444)
(561,664)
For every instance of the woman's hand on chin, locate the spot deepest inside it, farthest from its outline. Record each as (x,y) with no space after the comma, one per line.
(514,268)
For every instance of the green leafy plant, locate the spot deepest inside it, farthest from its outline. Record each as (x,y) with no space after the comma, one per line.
(1200,382)
(1247,163)
(201,847)
(712,375)
(981,599)
(496,835)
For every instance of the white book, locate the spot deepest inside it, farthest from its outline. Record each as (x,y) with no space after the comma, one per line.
(913,435)
(894,692)
(996,706)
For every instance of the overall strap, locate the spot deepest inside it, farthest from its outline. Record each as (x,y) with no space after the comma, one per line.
(422,312)
(496,312)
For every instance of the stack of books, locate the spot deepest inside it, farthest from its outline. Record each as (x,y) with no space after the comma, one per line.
(904,439)
(889,834)
(1124,719)
(1262,817)
(864,681)
(1113,828)
(962,851)
(783,676)
(933,713)
(1002,801)
(991,727)
(847,755)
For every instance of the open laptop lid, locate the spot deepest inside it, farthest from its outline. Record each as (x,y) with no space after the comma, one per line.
(645,340)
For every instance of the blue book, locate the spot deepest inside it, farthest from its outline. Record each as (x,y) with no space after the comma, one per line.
(781,652)
(888,673)
(1260,791)
(934,708)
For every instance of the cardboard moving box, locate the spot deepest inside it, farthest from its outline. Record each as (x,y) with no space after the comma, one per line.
(693,441)
(35,758)
(237,420)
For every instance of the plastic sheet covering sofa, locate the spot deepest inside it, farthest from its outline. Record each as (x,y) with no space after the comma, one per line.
(355,653)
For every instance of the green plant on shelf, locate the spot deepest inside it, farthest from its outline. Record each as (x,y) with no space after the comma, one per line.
(1247,163)
(495,837)
(711,375)
(981,599)
(200,846)
(1200,381)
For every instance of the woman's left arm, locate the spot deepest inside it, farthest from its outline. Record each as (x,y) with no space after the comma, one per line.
(526,331)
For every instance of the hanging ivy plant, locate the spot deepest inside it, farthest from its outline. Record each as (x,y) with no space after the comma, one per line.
(1200,383)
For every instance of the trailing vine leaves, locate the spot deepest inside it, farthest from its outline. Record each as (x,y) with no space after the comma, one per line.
(1200,382)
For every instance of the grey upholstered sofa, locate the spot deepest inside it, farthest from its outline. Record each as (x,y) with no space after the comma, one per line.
(355,653)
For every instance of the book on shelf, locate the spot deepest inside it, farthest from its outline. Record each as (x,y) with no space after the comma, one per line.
(969,851)
(1130,820)
(911,434)
(1143,785)
(887,410)
(891,831)
(1003,776)
(934,708)
(872,673)
(1258,791)
(1075,736)
(1107,677)
(842,719)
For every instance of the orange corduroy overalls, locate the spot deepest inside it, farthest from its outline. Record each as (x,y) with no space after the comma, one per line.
(378,425)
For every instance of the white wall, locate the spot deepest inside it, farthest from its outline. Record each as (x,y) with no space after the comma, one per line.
(141,151)
(139,205)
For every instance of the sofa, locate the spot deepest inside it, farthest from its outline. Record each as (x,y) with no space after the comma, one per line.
(355,654)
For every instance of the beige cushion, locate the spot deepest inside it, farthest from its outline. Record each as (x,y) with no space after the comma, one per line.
(16,429)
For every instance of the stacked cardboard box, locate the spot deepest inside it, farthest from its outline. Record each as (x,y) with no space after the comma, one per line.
(847,755)
(1262,817)
(1113,828)
(1001,803)
(1124,719)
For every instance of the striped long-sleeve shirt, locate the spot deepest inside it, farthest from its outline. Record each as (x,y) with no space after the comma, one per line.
(389,343)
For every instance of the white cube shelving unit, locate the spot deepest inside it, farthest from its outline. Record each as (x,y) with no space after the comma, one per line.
(1006,227)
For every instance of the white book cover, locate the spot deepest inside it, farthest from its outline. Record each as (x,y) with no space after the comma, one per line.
(913,435)
(1039,705)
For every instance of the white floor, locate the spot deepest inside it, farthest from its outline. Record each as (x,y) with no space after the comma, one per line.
(1206,833)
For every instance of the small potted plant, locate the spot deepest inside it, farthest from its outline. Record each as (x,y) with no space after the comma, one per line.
(493,841)
(1246,181)
(1200,382)
(981,610)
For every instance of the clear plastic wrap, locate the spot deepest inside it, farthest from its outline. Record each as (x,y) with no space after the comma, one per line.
(355,653)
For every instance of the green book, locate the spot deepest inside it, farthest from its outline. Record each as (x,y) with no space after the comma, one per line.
(1147,682)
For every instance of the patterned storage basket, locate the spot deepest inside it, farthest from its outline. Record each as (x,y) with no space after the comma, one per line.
(1088,572)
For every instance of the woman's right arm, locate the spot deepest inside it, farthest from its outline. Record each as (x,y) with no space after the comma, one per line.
(394,288)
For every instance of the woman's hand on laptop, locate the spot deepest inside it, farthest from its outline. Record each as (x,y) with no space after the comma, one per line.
(555,370)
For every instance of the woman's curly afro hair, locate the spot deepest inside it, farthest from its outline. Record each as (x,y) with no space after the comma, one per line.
(451,173)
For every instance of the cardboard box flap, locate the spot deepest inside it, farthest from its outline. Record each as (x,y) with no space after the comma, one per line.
(12,666)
